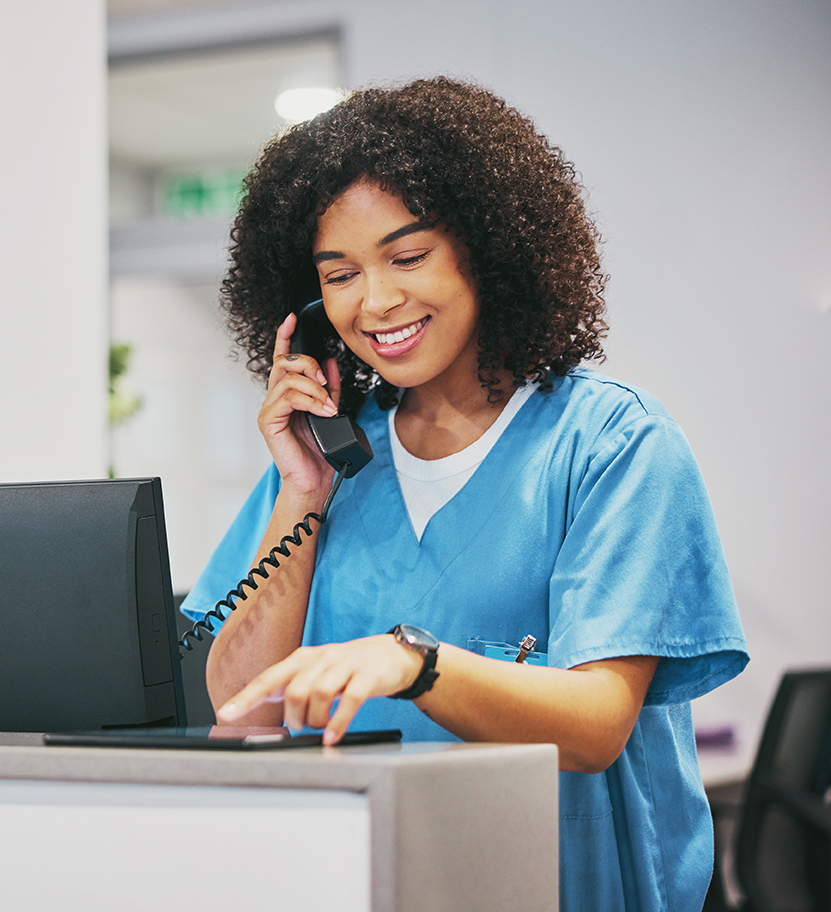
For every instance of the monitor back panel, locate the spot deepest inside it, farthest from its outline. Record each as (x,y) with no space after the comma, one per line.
(86,609)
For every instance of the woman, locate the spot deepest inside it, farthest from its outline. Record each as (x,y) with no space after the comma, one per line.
(512,492)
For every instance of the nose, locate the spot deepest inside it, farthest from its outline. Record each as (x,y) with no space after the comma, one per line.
(381,295)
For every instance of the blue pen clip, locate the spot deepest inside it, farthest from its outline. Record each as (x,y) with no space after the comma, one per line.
(525,653)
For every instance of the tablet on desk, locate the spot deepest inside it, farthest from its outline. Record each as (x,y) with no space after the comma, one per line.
(210,737)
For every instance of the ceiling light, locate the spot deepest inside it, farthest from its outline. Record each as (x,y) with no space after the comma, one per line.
(295,105)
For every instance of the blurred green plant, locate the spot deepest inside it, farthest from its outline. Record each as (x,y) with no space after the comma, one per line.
(122,405)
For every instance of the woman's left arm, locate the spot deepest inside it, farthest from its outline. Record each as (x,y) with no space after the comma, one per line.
(588,711)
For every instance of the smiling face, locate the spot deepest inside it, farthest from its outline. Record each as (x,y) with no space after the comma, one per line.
(397,290)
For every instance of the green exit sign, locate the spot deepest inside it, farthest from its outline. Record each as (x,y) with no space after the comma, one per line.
(202,194)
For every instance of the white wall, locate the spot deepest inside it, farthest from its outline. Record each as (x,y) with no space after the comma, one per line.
(53,324)
(703,132)
(197,427)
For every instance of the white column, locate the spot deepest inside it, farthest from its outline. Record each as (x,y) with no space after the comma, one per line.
(53,240)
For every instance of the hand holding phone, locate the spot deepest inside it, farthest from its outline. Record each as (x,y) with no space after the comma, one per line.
(297,384)
(340,439)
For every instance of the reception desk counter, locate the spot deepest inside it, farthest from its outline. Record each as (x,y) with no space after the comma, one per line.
(387,828)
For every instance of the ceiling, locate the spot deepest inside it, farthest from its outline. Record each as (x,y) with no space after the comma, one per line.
(117,9)
(213,109)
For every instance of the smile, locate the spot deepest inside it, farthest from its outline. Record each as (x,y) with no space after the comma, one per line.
(400,334)
(399,341)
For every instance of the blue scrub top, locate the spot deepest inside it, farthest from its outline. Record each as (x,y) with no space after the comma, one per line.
(588,526)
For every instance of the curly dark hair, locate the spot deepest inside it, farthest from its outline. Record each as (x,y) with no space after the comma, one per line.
(458,156)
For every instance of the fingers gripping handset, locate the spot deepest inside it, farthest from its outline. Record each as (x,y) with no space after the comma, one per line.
(340,439)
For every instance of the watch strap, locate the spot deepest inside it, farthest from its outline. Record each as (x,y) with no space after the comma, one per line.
(426,677)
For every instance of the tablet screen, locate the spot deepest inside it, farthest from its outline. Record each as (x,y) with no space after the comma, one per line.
(210,737)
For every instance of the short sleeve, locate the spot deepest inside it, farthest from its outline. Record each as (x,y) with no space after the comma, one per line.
(233,556)
(642,571)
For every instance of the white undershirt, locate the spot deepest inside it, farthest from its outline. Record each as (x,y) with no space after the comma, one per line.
(428,484)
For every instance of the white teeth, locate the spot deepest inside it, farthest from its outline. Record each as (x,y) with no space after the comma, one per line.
(400,335)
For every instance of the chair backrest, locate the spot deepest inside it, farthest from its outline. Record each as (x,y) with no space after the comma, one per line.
(783,851)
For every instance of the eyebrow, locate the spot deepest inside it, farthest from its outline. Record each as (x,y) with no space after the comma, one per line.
(412,228)
(405,230)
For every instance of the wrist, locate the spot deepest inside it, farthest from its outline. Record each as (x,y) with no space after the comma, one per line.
(424,644)
(299,499)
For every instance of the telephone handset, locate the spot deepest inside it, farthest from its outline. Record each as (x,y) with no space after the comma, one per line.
(340,439)
(345,448)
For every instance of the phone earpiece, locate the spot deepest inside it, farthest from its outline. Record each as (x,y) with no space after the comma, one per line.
(340,439)
(312,328)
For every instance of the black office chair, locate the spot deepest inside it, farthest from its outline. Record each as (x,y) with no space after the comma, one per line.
(782,849)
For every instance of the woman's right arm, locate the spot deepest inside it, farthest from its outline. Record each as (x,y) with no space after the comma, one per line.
(268,624)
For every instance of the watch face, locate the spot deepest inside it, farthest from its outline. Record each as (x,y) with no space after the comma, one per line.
(418,637)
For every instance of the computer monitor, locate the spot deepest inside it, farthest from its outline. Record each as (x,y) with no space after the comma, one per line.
(87,626)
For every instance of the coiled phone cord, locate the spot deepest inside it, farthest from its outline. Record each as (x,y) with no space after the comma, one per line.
(261,570)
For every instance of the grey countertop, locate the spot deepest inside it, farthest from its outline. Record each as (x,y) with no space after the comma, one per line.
(450,822)
(354,768)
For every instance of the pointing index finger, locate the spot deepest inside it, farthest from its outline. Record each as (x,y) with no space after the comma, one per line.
(267,687)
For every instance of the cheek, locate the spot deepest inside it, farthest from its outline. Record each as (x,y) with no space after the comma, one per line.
(341,318)
(338,314)
(467,305)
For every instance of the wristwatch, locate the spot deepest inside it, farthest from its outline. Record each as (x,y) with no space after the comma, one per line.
(426,645)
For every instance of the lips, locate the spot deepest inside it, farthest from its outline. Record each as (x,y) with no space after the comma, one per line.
(392,343)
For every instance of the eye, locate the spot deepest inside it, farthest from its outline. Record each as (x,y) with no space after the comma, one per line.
(340,278)
(411,260)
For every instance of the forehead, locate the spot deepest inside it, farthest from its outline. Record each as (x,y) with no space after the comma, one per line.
(363,207)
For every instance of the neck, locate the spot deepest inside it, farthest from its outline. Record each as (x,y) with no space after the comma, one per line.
(436,421)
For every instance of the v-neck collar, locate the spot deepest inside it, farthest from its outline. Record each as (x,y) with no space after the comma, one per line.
(464,460)
(380,502)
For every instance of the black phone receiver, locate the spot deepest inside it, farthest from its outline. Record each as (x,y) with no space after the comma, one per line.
(342,442)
